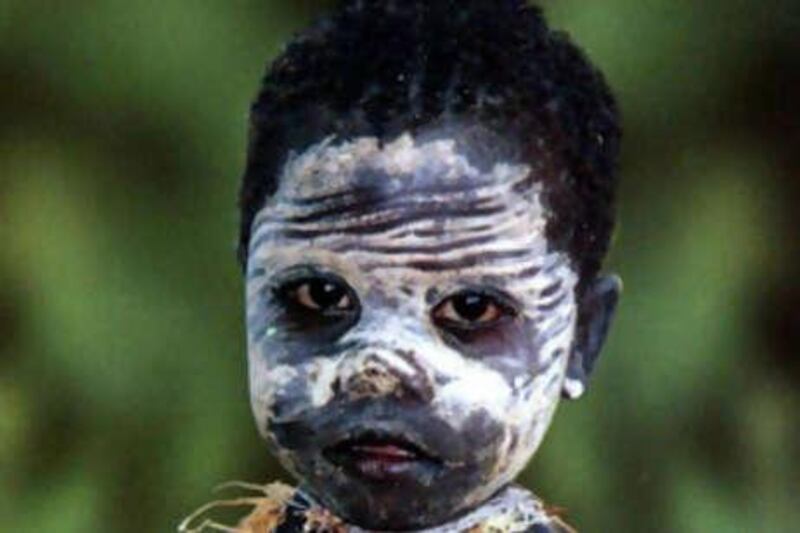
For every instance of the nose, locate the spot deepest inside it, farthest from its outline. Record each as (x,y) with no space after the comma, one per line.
(384,373)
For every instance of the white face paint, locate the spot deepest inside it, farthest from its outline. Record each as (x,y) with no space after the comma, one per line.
(447,324)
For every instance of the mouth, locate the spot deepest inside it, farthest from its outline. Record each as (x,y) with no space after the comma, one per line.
(383,458)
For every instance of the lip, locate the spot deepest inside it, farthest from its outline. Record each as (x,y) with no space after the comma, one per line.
(383,457)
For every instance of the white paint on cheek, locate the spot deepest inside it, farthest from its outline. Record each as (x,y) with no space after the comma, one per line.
(266,382)
(323,374)
(319,374)
(520,382)
(536,405)
(280,376)
(532,419)
(475,387)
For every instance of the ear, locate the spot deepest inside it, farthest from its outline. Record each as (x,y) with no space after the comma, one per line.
(595,310)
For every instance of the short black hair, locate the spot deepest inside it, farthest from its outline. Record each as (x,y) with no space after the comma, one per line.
(383,67)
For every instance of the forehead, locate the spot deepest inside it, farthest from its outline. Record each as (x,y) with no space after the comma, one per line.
(447,160)
(429,207)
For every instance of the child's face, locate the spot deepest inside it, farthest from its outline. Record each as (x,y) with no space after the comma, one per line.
(409,328)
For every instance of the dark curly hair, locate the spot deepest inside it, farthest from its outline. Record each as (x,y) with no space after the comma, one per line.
(382,67)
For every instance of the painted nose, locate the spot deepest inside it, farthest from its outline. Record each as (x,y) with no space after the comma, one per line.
(387,374)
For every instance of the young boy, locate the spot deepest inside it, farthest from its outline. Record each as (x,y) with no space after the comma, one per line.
(427,202)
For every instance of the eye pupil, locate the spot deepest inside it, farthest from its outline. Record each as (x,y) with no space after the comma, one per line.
(326,294)
(470,306)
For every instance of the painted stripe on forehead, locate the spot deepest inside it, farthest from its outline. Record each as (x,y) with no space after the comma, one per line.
(521,258)
(382,222)
(435,232)
(482,258)
(416,199)
(522,250)
(524,269)
(420,249)
(375,210)
(327,197)
(422,230)
(550,267)
(359,194)
(425,188)
(430,201)
(375,186)
(333,180)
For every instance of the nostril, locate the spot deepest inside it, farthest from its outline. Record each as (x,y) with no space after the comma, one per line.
(336,386)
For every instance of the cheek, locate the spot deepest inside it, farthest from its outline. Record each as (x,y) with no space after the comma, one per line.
(519,386)
(474,388)
(286,380)
(286,392)
(535,400)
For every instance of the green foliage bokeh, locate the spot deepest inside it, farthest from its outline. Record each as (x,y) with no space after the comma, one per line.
(122,370)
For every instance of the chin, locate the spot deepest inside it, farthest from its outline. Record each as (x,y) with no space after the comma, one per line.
(384,468)
(405,498)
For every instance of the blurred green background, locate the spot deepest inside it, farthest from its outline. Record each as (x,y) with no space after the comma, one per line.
(122,369)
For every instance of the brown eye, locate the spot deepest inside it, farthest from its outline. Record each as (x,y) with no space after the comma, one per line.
(320,294)
(471,310)
(309,306)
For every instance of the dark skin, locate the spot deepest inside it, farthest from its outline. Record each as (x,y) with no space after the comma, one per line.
(411,328)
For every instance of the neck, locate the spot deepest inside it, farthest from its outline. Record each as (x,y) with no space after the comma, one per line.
(513,509)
